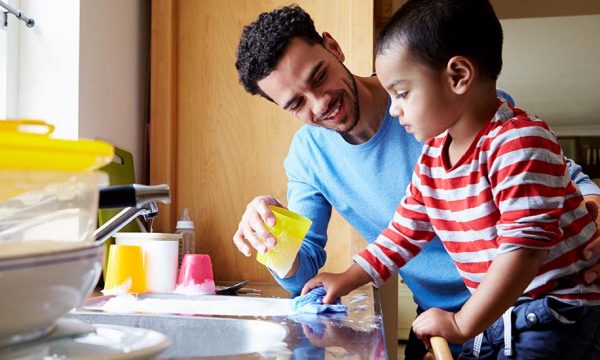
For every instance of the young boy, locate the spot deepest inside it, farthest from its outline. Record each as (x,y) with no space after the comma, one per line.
(491,183)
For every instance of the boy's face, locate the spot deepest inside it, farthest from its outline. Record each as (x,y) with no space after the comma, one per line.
(311,83)
(421,97)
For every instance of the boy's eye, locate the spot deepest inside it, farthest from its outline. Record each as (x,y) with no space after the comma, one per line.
(401,95)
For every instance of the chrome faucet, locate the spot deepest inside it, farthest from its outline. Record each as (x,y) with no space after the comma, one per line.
(138,200)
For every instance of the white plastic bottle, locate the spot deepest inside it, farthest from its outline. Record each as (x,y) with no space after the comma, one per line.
(185,227)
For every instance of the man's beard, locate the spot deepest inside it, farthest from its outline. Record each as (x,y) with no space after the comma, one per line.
(351,83)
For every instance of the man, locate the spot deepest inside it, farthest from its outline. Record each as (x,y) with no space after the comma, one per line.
(354,157)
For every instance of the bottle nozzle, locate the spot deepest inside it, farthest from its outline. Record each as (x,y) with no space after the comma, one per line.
(186,215)
(185,222)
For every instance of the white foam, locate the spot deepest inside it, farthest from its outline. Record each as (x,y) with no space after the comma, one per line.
(201,305)
(206,288)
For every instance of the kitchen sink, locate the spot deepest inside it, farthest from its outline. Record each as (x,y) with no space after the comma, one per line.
(195,336)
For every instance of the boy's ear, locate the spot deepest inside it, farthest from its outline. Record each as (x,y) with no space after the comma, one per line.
(332,46)
(461,73)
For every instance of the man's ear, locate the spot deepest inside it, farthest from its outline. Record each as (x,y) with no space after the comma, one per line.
(332,46)
(461,74)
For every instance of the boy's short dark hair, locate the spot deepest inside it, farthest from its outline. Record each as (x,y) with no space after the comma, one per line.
(264,41)
(433,31)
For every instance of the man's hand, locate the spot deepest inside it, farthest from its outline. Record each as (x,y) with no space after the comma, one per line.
(338,285)
(252,226)
(592,202)
(437,322)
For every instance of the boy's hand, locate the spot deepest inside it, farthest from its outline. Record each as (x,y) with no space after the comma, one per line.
(437,322)
(592,275)
(338,285)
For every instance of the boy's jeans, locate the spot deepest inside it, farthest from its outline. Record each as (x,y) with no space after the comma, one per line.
(542,329)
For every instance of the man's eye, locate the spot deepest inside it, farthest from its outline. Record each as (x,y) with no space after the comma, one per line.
(320,78)
(296,105)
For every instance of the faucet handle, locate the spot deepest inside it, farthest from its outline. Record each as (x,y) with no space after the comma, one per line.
(152,193)
(149,210)
(133,195)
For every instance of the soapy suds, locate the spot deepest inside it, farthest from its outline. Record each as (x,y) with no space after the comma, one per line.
(121,289)
(191,288)
(200,305)
(358,298)
(360,308)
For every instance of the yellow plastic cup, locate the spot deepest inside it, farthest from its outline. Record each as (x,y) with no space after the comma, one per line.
(125,269)
(290,229)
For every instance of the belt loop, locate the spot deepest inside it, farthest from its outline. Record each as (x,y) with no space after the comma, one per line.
(507,320)
(477,345)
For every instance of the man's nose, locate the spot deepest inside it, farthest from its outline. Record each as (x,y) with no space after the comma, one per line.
(321,102)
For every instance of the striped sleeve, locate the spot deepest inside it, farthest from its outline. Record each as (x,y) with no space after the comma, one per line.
(527,175)
(408,232)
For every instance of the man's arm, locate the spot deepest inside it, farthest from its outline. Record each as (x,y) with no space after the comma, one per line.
(591,194)
(585,184)
(306,199)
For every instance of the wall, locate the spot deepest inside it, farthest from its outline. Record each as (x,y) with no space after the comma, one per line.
(551,67)
(551,64)
(8,65)
(113,74)
(509,9)
(84,68)
(48,65)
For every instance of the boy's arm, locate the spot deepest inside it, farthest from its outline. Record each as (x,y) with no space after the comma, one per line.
(338,285)
(408,232)
(506,279)
(526,172)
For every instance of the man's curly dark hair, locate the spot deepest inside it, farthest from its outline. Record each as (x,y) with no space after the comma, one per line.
(264,41)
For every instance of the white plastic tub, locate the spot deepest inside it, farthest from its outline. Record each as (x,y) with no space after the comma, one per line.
(160,257)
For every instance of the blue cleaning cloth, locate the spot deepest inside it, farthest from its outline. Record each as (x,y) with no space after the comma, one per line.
(312,303)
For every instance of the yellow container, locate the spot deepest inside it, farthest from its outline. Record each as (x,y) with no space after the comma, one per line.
(26,144)
(27,152)
(290,229)
(48,189)
(125,271)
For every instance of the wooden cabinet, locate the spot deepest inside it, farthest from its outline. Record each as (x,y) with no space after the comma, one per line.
(407,310)
(218,146)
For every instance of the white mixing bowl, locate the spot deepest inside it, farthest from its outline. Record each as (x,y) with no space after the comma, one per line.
(39,288)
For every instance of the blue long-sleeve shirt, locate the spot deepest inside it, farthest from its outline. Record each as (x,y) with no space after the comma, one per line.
(365,183)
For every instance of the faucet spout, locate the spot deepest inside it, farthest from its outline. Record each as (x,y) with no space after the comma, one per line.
(141,201)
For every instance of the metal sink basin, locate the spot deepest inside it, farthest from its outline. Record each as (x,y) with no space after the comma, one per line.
(201,336)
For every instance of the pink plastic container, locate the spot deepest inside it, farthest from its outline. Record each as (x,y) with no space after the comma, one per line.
(196,275)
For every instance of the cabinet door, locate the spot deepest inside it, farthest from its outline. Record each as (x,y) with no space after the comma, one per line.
(216,145)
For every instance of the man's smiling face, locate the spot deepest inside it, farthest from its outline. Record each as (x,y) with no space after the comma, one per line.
(311,82)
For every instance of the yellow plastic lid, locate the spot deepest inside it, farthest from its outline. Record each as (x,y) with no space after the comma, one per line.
(26,145)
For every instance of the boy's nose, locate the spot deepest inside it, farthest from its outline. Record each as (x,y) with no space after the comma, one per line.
(395,110)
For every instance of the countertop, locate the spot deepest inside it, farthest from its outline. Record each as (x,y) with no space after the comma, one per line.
(355,335)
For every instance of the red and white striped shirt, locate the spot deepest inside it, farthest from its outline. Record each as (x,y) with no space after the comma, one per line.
(510,190)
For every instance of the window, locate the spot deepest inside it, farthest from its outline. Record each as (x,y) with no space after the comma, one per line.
(9,52)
